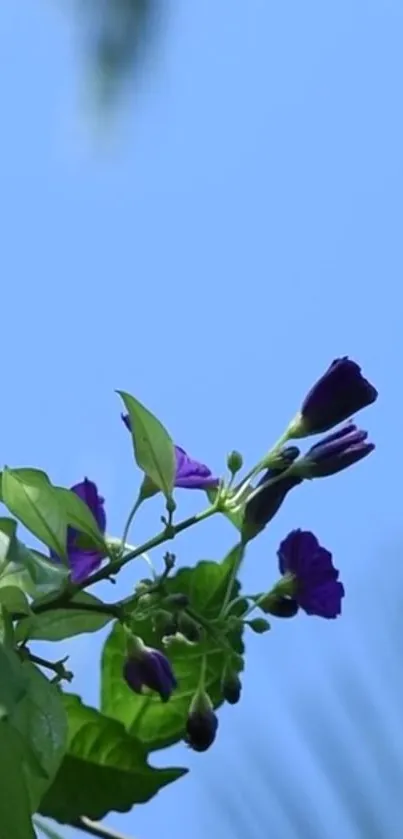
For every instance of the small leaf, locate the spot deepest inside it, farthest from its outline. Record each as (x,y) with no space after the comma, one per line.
(8,528)
(156,724)
(259,625)
(14,600)
(153,448)
(58,624)
(79,516)
(104,769)
(29,495)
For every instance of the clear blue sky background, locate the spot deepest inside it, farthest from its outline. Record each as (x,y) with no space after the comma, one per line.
(240,229)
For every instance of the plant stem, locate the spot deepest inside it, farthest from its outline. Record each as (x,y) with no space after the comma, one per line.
(114,566)
(56,667)
(97,829)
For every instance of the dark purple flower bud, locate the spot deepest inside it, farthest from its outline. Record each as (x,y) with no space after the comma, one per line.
(189,628)
(336,452)
(263,506)
(190,474)
(231,688)
(317,589)
(201,724)
(146,667)
(336,396)
(83,561)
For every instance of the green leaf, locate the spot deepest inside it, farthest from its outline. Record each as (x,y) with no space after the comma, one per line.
(15,813)
(79,516)
(158,725)
(153,447)
(29,495)
(41,719)
(32,572)
(104,769)
(31,707)
(8,528)
(58,624)
(14,600)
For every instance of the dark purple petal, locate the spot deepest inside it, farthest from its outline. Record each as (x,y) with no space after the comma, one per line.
(82,561)
(336,452)
(317,589)
(190,474)
(150,669)
(336,396)
(301,554)
(322,600)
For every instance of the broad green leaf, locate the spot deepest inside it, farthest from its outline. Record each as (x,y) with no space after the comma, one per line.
(158,725)
(40,718)
(29,495)
(15,811)
(58,624)
(31,706)
(14,600)
(79,516)
(153,447)
(104,769)
(32,572)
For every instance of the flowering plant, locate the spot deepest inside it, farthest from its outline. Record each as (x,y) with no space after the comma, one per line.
(175,651)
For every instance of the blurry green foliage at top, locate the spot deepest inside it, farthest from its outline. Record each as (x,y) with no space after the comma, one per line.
(117,37)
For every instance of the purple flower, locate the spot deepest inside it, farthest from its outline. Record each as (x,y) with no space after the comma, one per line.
(317,588)
(83,561)
(190,474)
(336,452)
(336,396)
(149,668)
(263,506)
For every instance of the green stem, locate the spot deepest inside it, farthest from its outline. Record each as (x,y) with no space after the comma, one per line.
(97,829)
(63,601)
(234,573)
(56,667)
(132,514)
(115,566)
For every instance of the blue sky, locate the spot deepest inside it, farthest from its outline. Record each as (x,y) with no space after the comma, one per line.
(239,228)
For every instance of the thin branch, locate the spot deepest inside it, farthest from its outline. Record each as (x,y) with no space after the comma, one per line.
(97,829)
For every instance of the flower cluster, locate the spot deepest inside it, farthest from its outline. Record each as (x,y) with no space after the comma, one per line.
(308,579)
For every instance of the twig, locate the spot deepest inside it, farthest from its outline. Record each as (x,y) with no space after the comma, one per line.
(97,829)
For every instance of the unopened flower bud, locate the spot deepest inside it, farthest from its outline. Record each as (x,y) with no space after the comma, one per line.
(231,688)
(280,607)
(176,600)
(189,628)
(270,494)
(202,723)
(234,462)
(259,625)
(147,667)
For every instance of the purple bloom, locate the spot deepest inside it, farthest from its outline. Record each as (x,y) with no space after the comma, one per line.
(317,587)
(83,561)
(149,668)
(190,474)
(201,729)
(336,396)
(263,506)
(336,452)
